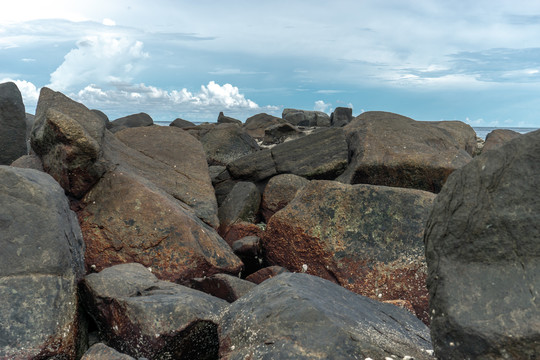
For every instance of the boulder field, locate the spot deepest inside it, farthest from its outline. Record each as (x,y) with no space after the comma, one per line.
(302,237)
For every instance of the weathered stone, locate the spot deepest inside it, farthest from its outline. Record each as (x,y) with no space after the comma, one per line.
(126,218)
(277,134)
(306,117)
(41,261)
(173,160)
(240,230)
(266,273)
(279,191)
(29,162)
(12,124)
(142,316)
(257,124)
(498,137)
(298,316)
(483,255)
(227,287)
(242,204)
(226,143)
(101,351)
(253,167)
(222,119)
(462,133)
(249,250)
(181,123)
(393,150)
(130,121)
(102,115)
(366,238)
(67,136)
(341,117)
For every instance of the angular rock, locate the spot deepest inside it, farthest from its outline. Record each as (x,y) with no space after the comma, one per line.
(227,287)
(253,167)
(173,160)
(306,118)
(67,136)
(222,119)
(366,238)
(29,162)
(12,124)
(298,316)
(181,123)
(101,351)
(102,115)
(125,218)
(257,124)
(226,143)
(242,204)
(130,121)
(141,316)
(277,134)
(393,150)
(242,229)
(483,255)
(266,273)
(41,261)
(463,134)
(279,191)
(498,137)
(341,117)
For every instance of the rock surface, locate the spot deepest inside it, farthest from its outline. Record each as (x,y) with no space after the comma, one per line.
(366,238)
(241,205)
(101,351)
(298,316)
(462,133)
(226,143)
(483,253)
(130,121)
(279,191)
(306,118)
(341,117)
(227,287)
(257,124)
(227,120)
(393,150)
(12,124)
(181,123)
(42,259)
(498,137)
(141,316)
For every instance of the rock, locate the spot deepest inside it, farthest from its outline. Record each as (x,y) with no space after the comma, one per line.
(341,117)
(101,351)
(242,229)
(181,123)
(242,204)
(321,155)
(366,238)
(142,316)
(498,137)
(298,316)
(249,250)
(41,261)
(279,191)
(266,273)
(276,134)
(67,136)
(222,119)
(200,130)
(173,160)
(226,143)
(393,150)
(227,287)
(483,252)
(306,118)
(462,133)
(29,162)
(12,124)
(257,124)
(102,115)
(130,121)
(30,119)
(125,218)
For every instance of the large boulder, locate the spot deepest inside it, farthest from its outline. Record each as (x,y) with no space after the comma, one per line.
(222,119)
(277,134)
(498,137)
(462,133)
(181,123)
(173,160)
(257,124)
(226,143)
(366,238)
(130,121)
(483,254)
(141,316)
(12,124)
(241,205)
(394,150)
(306,118)
(279,191)
(126,218)
(41,261)
(341,116)
(299,316)
(321,155)
(68,136)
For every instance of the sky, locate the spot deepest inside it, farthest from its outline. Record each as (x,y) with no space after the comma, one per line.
(473,61)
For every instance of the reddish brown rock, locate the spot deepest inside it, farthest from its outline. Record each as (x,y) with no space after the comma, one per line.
(242,229)
(279,191)
(498,137)
(394,150)
(223,286)
(404,304)
(128,219)
(366,238)
(266,273)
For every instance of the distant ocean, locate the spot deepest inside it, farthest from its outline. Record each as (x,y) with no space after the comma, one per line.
(481,131)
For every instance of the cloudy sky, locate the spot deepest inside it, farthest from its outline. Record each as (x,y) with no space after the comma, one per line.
(475,61)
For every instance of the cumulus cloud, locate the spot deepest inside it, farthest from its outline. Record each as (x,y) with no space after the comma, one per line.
(320,105)
(99,59)
(29,92)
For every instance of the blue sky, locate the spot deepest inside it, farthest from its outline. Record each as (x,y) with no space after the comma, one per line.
(474,61)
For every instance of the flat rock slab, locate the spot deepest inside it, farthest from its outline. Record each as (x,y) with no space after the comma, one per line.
(299,316)
(483,254)
(141,316)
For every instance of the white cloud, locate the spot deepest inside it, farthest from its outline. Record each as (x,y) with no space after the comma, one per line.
(108,22)
(320,105)
(29,93)
(99,59)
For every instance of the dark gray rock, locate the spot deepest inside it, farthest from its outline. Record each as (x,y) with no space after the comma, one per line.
(12,124)
(41,261)
(249,250)
(141,316)
(102,115)
(257,124)
(242,204)
(299,316)
(253,167)
(279,191)
(227,142)
(181,123)
(463,134)
(498,137)
(483,253)
(227,287)
(306,118)
(101,351)
(29,162)
(222,119)
(276,134)
(134,120)
(341,117)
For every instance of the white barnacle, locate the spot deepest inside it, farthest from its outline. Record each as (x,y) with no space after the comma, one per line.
(304,268)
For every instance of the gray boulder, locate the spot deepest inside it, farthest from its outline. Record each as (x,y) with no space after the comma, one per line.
(12,124)
(276,134)
(223,286)
(241,204)
(257,124)
(227,142)
(498,137)
(134,120)
(222,119)
(306,118)
(299,316)
(181,123)
(341,117)
(279,191)
(41,261)
(483,254)
(141,316)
